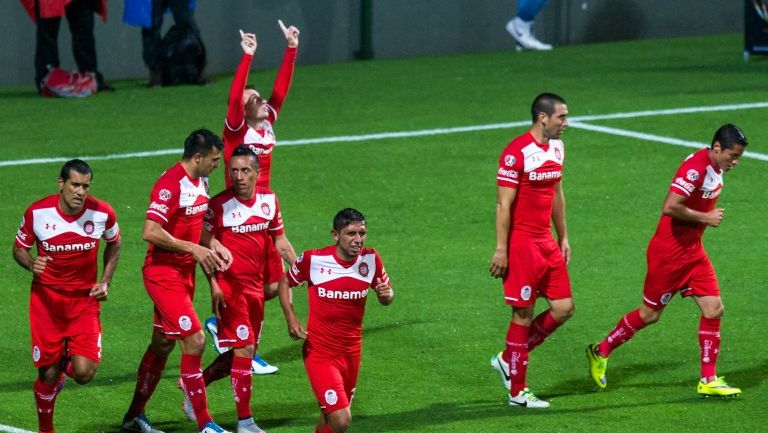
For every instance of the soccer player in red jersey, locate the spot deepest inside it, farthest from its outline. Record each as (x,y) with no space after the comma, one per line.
(66,295)
(527,257)
(339,278)
(249,121)
(242,218)
(174,230)
(677,261)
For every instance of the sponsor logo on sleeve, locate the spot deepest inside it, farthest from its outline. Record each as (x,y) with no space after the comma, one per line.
(158,207)
(512,174)
(558,154)
(692,175)
(22,222)
(209,214)
(164,195)
(363,269)
(685,185)
(509,160)
(21,235)
(300,258)
(330,397)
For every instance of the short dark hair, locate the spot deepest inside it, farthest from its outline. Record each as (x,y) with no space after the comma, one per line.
(201,141)
(545,103)
(728,136)
(245,150)
(346,217)
(77,165)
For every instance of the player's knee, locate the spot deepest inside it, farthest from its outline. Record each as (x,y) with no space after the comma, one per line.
(340,420)
(649,315)
(245,352)
(714,312)
(194,344)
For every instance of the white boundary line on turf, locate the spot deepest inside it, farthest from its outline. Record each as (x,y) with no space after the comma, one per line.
(9,429)
(441,131)
(654,138)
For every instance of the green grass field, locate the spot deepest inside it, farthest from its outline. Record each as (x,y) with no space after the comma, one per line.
(430,203)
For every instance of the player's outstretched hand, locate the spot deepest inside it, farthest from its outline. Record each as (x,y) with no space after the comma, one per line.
(384,292)
(99,291)
(38,266)
(291,34)
(499,263)
(295,329)
(248,42)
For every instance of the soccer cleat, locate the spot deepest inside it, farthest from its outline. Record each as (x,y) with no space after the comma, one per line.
(717,388)
(521,32)
(248,426)
(139,424)
(186,405)
(212,427)
(597,366)
(260,366)
(498,364)
(213,331)
(528,400)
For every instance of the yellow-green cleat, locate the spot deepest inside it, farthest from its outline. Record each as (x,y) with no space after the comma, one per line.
(597,366)
(717,388)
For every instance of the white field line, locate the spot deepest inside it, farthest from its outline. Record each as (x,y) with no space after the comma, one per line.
(654,138)
(9,429)
(425,132)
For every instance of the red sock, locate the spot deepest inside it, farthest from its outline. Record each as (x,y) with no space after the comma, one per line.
(709,341)
(516,356)
(241,385)
(150,370)
(192,377)
(543,325)
(219,368)
(325,429)
(624,330)
(45,400)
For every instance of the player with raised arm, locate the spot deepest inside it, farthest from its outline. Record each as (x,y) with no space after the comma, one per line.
(677,261)
(173,228)
(249,121)
(339,278)
(242,218)
(66,295)
(527,257)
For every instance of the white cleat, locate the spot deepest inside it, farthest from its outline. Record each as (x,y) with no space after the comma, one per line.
(528,400)
(260,366)
(248,426)
(186,405)
(521,32)
(498,364)
(139,424)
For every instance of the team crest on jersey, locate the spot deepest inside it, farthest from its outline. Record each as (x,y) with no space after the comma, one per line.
(265,208)
(558,155)
(363,269)
(665,298)
(164,195)
(88,227)
(330,397)
(185,323)
(35,353)
(242,332)
(692,175)
(509,160)
(525,293)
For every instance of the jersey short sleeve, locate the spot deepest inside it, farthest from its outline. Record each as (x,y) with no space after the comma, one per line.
(380,274)
(299,272)
(111,229)
(163,202)
(25,236)
(689,177)
(510,168)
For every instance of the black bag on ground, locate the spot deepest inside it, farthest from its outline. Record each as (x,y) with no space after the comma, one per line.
(182,57)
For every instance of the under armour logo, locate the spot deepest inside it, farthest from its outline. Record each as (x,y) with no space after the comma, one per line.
(236,214)
(323,270)
(50,226)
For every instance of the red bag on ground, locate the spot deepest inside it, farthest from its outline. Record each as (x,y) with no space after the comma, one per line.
(65,84)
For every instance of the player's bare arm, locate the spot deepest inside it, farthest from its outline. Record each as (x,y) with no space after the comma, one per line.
(285,249)
(384,292)
(207,240)
(217,297)
(674,206)
(248,42)
(111,255)
(499,261)
(36,265)
(291,34)
(155,234)
(295,328)
(558,219)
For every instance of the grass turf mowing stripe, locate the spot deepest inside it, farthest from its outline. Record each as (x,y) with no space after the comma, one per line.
(575,122)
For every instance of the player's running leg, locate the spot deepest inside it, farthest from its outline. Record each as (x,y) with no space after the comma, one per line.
(627,327)
(709,342)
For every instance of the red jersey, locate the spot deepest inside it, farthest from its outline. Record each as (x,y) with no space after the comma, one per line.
(700,182)
(337,293)
(533,169)
(72,241)
(237,132)
(178,203)
(244,227)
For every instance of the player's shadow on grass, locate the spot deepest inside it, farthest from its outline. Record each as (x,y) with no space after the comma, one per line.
(618,376)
